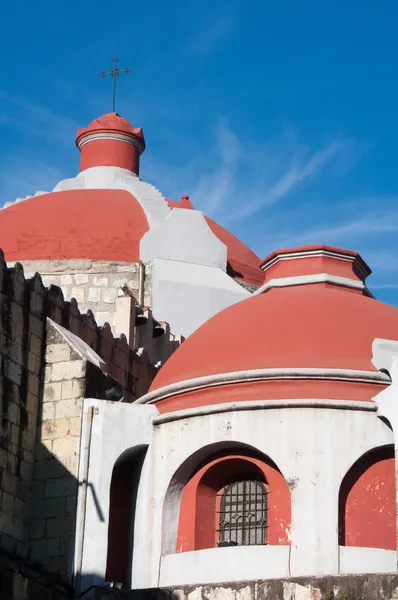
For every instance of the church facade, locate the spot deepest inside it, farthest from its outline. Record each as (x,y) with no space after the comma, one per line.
(177,412)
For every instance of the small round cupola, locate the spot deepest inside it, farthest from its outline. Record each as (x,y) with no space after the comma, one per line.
(110,141)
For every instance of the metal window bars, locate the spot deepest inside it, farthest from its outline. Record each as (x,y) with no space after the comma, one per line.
(243,514)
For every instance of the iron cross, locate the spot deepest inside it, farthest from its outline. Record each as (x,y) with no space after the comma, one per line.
(114,74)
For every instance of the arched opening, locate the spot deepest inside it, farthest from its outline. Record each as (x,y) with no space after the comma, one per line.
(234,497)
(122,503)
(367,502)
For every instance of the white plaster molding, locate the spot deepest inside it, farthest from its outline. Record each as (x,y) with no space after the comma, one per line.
(249,405)
(120,137)
(289,373)
(186,295)
(385,355)
(151,200)
(309,279)
(184,236)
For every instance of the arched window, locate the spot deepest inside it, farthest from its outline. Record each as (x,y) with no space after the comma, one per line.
(243,513)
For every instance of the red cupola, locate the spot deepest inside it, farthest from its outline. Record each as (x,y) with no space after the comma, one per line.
(110,141)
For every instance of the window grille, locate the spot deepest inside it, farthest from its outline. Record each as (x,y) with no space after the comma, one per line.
(243,513)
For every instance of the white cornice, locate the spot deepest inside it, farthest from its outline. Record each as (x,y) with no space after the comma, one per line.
(213,409)
(120,137)
(299,373)
(309,279)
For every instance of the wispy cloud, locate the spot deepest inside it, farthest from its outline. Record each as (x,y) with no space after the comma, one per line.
(25,178)
(233,179)
(36,120)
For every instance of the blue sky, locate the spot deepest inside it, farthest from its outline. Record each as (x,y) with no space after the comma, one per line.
(279,119)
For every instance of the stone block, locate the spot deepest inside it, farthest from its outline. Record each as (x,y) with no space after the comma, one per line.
(21,509)
(52,392)
(66,390)
(3,458)
(77,293)
(32,402)
(28,441)
(12,370)
(52,468)
(81,278)
(34,363)
(78,388)
(36,326)
(94,294)
(48,411)
(35,344)
(57,353)
(59,428)
(26,470)
(68,370)
(45,548)
(13,413)
(7,504)
(60,487)
(70,508)
(14,527)
(9,483)
(59,527)
(66,280)
(109,295)
(48,508)
(100,281)
(68,408)
(33,384)
(66,447)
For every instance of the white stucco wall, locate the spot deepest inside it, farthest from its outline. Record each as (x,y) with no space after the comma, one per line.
(367,560)
(242,563)
(313,447)
(184,236)
(186,295)
(116,428)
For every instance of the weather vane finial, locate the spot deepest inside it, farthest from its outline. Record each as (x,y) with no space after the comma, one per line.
(114,74)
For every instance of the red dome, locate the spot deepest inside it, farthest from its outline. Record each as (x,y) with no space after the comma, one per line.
(94,224)
(315,326)
(110,122)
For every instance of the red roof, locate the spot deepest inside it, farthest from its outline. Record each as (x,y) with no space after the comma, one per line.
(94,224)
(316,325)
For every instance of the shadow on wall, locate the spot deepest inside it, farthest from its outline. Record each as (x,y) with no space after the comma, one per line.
(54,551)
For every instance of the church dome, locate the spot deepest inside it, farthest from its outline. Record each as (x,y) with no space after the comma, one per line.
(103,213)
(93,224)
(307,333)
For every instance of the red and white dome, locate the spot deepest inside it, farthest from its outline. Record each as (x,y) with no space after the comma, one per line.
(307,333)
(103,213)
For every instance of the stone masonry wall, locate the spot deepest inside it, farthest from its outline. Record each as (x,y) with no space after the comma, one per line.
(22,329)
(339,587)
(43,380)
(95,285)
(57,455)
